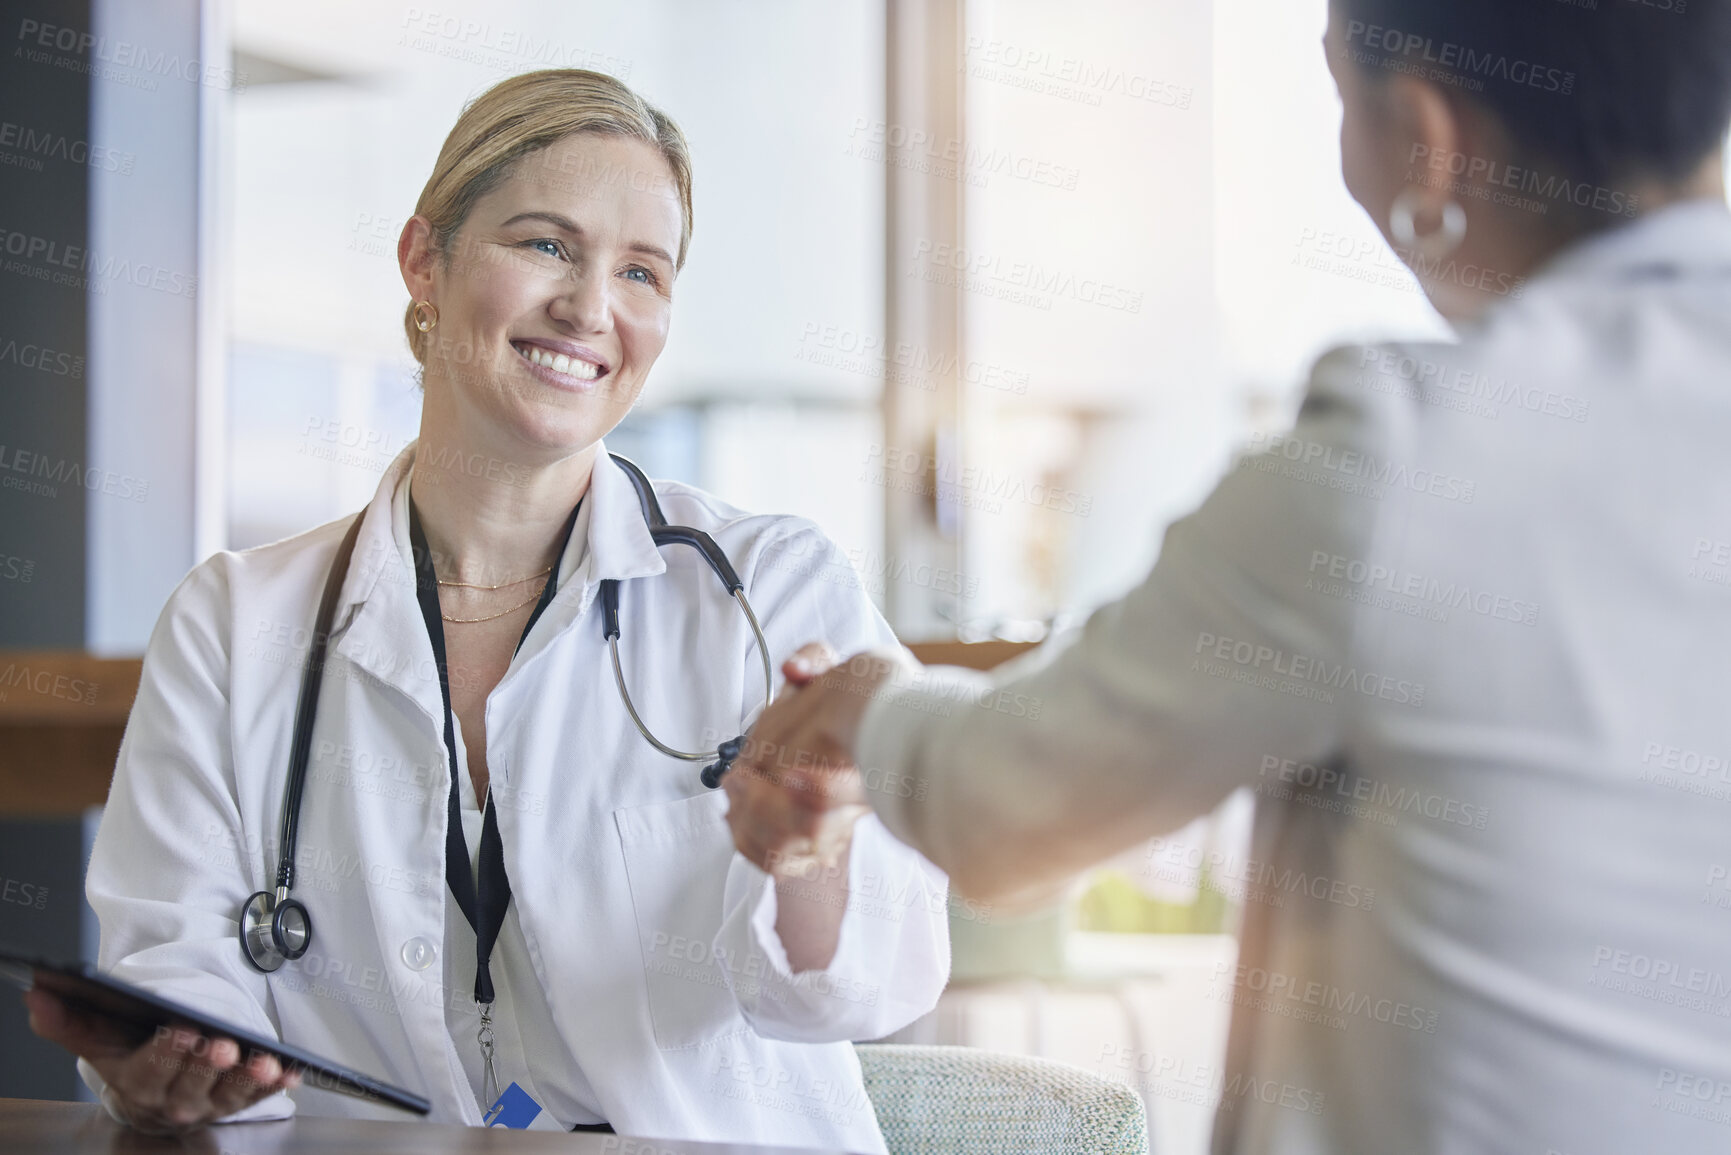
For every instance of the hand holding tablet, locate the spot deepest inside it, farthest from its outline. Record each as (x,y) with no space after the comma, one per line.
(178,1079)
(169,1067)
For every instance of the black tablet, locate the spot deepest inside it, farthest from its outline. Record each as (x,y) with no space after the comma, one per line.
(82,986)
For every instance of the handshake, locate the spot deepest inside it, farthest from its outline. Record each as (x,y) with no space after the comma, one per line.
(794,792)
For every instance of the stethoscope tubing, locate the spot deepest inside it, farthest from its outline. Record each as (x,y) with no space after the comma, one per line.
(265,935)
(637,719)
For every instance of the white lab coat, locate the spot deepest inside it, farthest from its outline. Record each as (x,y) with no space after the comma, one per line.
(653,939)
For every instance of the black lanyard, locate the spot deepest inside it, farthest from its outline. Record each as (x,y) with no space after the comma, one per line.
(493,888)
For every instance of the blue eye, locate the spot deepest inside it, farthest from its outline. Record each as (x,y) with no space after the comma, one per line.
(645,277)
(552,247)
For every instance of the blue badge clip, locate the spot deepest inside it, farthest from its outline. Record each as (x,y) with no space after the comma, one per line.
(515,1109)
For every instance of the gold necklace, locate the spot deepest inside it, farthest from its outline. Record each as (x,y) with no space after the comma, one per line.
(501,586)
(491,617)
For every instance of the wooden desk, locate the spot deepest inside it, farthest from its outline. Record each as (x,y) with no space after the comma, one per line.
(31,1127)
(973,655)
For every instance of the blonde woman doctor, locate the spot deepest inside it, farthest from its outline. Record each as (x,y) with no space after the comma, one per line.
(644,977)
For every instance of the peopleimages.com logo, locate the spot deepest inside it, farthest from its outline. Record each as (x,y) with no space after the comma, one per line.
(54,472)
(121,61)
(1530,182)
(1448,62)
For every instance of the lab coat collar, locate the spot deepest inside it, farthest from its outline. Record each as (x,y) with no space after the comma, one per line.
(1689,238)
(618,548)
(380,621)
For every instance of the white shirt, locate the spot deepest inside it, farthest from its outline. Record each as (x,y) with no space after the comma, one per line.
(1466,630)
(649,941)
(527,1048)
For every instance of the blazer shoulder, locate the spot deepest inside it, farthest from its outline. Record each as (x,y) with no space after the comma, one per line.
(1373,396)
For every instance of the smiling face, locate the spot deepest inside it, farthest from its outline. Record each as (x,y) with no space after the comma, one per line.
(554,299)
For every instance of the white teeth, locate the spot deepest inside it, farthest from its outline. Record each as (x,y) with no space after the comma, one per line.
(560,363)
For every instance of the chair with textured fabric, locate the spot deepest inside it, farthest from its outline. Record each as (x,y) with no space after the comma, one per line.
(964,1101)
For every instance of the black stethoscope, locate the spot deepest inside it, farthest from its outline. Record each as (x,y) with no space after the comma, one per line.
(274,927)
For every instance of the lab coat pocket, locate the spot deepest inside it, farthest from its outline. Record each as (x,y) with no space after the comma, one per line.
(676,859)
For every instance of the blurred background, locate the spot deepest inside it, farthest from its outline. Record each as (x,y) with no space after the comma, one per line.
(991,289)
(1111,213)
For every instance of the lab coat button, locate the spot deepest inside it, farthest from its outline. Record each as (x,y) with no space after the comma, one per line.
(418,954)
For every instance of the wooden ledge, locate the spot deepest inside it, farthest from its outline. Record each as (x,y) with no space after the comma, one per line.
(66,688)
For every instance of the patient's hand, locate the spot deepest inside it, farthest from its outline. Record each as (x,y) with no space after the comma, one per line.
(176,1081)
(795,792)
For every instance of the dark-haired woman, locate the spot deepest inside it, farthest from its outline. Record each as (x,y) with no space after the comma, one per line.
(1466,631)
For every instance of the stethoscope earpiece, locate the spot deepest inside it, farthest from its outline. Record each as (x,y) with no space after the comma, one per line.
(274,929)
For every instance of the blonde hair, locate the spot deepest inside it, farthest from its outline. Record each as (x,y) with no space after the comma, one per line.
(523,115)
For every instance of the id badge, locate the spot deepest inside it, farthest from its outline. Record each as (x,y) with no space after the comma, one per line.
(518,1111)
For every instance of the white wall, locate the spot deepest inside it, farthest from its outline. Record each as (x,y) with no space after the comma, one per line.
(1118,94)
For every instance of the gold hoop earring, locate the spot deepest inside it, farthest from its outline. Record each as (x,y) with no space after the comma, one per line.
(425,321)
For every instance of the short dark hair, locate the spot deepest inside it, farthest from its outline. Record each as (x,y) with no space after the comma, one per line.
(1605,89)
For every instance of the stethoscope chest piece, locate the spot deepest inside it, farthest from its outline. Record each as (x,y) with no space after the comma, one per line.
(274,929)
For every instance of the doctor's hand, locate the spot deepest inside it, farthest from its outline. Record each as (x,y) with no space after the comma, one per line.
(176,1081)
(795,793)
